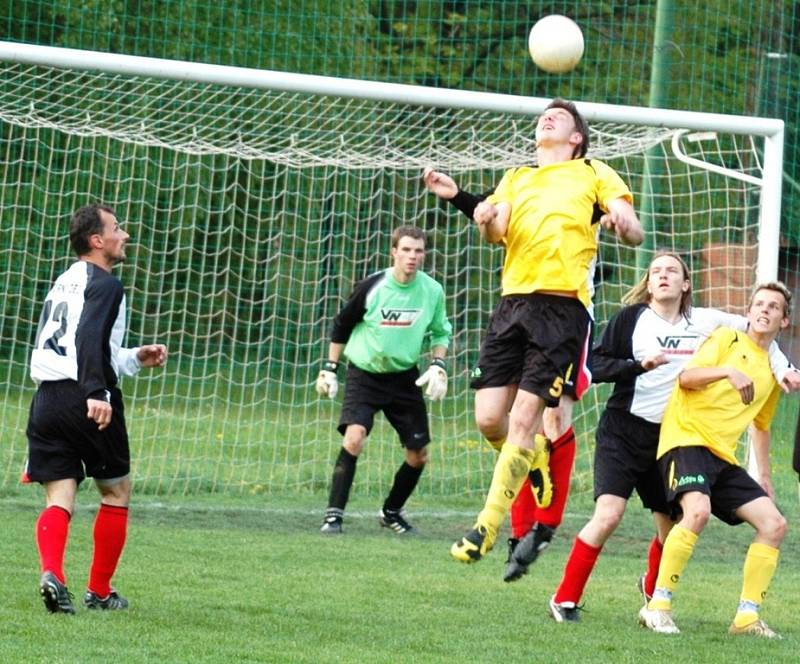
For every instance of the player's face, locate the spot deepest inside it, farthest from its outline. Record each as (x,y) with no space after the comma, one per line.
(408,256)
(665,281)
(556,126)
(766,314)
(114,239)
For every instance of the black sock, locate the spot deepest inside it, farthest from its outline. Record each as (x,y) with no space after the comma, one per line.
(344,470)
(405,481)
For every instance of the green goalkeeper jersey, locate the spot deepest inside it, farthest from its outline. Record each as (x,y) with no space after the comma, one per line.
(385,323)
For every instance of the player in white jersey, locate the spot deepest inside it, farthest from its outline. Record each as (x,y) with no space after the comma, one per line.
(76,425)
(643,349)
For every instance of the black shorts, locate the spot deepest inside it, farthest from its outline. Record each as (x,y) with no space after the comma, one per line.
(625,459)
(65,444)
(698,469)
(396,395)
(538,342)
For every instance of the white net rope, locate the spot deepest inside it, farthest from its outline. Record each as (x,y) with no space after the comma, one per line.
(252,213)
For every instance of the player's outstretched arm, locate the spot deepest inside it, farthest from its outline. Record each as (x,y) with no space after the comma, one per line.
(440,184)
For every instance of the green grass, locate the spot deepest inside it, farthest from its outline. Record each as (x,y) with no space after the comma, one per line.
(219,579)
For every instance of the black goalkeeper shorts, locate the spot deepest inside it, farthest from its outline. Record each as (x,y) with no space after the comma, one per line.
(396,395)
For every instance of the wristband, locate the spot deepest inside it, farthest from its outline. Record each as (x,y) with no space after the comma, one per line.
(330,365)
(439,362)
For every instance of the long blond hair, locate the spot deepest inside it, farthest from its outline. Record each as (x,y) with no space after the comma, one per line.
(639,293)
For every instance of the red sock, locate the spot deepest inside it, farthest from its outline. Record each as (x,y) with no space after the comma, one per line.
(110,529)
(52,529)
(653,561)
(562,458)
(577,571)
(523,511)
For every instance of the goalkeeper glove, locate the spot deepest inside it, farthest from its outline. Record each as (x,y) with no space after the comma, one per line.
(327,383)
(436,380)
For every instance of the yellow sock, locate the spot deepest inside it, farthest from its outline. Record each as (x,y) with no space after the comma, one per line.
(678,548)
(510,472)
(759,568)
(497,444)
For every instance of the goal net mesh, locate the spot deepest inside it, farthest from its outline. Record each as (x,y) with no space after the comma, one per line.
(252,213)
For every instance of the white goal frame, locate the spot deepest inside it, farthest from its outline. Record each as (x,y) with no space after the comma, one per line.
(771,130)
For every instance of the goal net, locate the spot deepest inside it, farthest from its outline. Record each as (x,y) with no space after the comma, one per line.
(253,211)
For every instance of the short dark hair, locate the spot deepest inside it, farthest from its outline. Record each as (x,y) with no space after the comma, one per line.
(408,231)
(580,125)
(86,221)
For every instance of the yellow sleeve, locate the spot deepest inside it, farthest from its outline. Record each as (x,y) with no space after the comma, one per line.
(610,185)
(710,352)
(763,420)
(503,193)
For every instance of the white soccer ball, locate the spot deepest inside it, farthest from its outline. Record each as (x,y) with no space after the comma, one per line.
(556,44)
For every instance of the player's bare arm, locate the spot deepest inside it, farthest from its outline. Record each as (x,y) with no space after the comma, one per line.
(760,441)
(492,220)
(440,184)
(622,219)
(698,377)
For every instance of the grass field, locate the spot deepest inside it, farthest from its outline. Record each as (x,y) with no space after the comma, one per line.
(251,580)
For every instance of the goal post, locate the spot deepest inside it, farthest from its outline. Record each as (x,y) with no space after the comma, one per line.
(256,199)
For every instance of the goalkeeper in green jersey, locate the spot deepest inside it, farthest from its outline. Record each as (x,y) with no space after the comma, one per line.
(381,330)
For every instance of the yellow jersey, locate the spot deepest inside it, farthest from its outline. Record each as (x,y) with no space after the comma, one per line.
(551,240)
(714,416)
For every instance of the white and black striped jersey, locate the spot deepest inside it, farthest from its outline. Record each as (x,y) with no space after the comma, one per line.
(81,331)
(637,332)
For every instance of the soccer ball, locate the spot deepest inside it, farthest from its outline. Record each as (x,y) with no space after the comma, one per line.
(556,43)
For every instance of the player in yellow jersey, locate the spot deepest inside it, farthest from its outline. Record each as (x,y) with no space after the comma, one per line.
(548,219)
(727,385)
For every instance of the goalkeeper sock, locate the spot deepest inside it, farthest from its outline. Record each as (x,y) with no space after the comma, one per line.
(344,470)
(653,562)
(405,481)
(577,570)
(678,548)
(510,471)
(759,568)
(52,530)
(562,459)
(110,532)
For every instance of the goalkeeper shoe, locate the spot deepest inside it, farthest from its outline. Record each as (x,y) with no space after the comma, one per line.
(332,525)
(755,628)
(564,611)
(527,550)
(114,602)
(658,620)
(539,474)
(393,520)
(474,545)
(56,597)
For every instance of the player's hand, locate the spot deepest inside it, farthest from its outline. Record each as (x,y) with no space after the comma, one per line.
(652,361)
(327,382)
(436,380)
(439,183)
(152,355)
(99,411)
(791,381)
(485,213)
(743,384)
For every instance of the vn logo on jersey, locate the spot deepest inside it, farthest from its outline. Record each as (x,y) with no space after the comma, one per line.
(399,317)
(671,344)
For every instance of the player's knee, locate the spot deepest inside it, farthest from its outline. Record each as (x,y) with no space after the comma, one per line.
(417,458)
(491,425)
(607,519)
(774,528)
(696,516)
